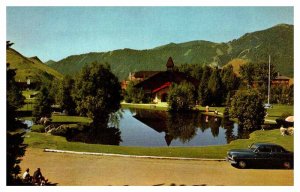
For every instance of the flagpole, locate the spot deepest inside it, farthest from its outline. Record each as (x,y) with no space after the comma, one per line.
(269,79)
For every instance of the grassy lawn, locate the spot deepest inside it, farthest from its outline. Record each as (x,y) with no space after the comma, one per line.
(42,140)
(277,110)
(28,92)
(160,106)
(273,113)
(70,119)
(29,102)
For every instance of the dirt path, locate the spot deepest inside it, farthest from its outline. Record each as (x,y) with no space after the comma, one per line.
(73,169)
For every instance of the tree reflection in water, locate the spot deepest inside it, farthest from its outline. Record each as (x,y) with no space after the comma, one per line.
(214,124)
(182,126)
(106,133)
(228,126)
(88,134)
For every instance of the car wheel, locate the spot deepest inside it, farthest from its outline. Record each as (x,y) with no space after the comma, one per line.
(242,164)
(287,165)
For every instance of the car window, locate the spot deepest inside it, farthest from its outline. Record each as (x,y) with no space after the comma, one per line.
(253,147)
(277,149)
(264,149)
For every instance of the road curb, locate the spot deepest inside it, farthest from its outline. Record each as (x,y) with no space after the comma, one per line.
(131,156)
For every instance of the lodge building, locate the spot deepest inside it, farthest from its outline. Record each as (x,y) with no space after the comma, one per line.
(157,85)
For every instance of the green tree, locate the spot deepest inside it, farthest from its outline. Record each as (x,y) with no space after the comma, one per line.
(64,95)
(43,104)
(192,70)
(14,142)
(203,91)
(247,73)
(14,99)
(226,116)
(181,97)
(247,107)
(229,79)
(135,95)
(215,87)
(15,149)
(98,93)
(262,73)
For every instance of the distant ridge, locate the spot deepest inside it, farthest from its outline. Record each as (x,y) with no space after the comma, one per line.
(50,62)
(32,67)
(256,46)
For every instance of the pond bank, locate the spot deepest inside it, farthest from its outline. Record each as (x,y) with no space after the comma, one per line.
(42,141)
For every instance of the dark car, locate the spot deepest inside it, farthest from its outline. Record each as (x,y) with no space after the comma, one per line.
(261,154)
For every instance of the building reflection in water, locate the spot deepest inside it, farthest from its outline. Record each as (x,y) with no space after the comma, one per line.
(181,126)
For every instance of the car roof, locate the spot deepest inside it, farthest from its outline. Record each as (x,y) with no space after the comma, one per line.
(269,144)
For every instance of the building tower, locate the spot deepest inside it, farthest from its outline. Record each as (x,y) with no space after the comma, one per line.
(170,64)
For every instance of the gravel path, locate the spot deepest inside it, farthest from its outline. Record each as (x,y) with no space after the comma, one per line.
(74,169)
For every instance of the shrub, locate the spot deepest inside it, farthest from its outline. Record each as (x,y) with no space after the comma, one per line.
(181,97)
(248,108)
(38,128)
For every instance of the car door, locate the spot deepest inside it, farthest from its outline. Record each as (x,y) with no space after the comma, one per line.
(263,155)
(278,155)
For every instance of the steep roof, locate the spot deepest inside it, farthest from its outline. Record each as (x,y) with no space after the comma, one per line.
(170,63)
(144,74)
(161,78)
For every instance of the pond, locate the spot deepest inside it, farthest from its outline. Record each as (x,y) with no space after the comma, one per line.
(151,128)
(28,124)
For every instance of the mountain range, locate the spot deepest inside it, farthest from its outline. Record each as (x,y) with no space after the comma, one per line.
(276,41)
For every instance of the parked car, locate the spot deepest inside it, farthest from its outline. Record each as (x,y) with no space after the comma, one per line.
(261,154)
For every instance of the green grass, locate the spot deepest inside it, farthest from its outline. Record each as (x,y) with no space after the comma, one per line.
(273,113)
(277,110)
(27,93)
(42,140)
(27,118)
(29,102)
(159,106)
(38,128)
(27,107)
(70,119)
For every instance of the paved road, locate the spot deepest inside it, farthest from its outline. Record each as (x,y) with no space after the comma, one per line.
(74,169)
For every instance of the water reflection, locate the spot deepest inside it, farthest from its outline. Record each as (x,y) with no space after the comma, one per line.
(140,127)
(102,135)
(184,126)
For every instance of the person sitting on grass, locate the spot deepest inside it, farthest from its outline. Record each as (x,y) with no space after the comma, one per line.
(38,178)
(26,176)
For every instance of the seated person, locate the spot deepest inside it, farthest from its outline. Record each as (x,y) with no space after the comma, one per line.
(38,177)
(26,176)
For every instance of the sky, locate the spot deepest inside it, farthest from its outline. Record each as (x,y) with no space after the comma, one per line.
(57,32)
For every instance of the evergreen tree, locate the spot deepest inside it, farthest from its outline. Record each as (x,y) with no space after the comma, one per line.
(203,91)
(64,95)
(14,99)
(226,116)
(247,72)
(215,87)
(229,79)
(15,148)
(43,104)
